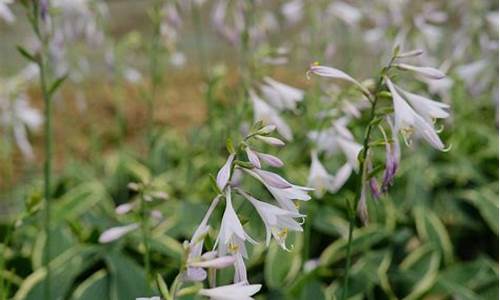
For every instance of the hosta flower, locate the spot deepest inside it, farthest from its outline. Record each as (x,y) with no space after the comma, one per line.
(392,157)
(196,244)
(284,196)
(319,178)
(267,114)
(115,233)
(428,72)
(270,159)
(408,121)
(280,95)
(225,173)
(427,108)
(277,221)
(330,72)
(253,157)
(5,12)
(237,291)
(231,236)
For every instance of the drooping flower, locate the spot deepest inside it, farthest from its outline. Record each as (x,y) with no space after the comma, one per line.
(5,12)
(392,157)
(115,233)
(267,114)
(427,108)
(428,72)
(280,95)
(277,221)
(270,159)
(319,178)
(231,236)
(330,72)
(407,120)
(236,291)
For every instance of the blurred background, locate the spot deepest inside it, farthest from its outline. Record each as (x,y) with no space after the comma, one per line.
(434,236)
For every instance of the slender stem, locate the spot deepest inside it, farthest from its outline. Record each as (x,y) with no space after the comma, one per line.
(154,70)
(373,98)
(145,241)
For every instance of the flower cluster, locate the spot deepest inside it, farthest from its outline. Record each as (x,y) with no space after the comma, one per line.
(279,219)
(410,114)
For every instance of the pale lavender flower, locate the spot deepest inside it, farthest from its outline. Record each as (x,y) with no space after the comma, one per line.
(124,208)
(362,209)
(319,178)
(392,157)
(270,140)
(428,72)
(272,179)
(282,96)
(115,233)
(267,114)
(277,221)
(407,120)
(225,173)
(253,157)
(270,159)
(330,72)
(216,263)
(236,291)
(5,12)
(231,236)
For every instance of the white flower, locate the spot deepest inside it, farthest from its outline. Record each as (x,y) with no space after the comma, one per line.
(5,12)
(270,159)
(237,291)
(330,72)
(265,113)
(272,179)
(270,140)
(224,173)
(427,108)
(407,120)
(146,298)
(124,208)
(277,221)
(428,72)
(319,178)
(282,96)
(253,157)
(115,233)
(231,236)
(285,196)
(216,263)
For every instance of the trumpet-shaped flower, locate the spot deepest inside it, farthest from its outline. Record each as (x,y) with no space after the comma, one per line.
(427,108)
(265,113)
(428,72)
(278,221)
(231,236)
(282,96)
(285,196)
(319,178)
(270,159)
(330,72)
(236,291)
(407,120)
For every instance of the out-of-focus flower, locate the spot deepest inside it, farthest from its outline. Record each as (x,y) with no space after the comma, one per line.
(392,157)
(240,291)
(265,113)
(280,95)
(115,233)
(5,12)
(330,72)
(319,178)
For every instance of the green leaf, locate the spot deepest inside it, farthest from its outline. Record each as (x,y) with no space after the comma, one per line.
(128,280)
(64,269)
(94,287)
(276,272)
(27,54)
(56,84)
(486,201)
(363,239)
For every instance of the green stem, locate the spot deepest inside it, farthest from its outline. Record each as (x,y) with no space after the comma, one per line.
(145,241)
(361,178)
